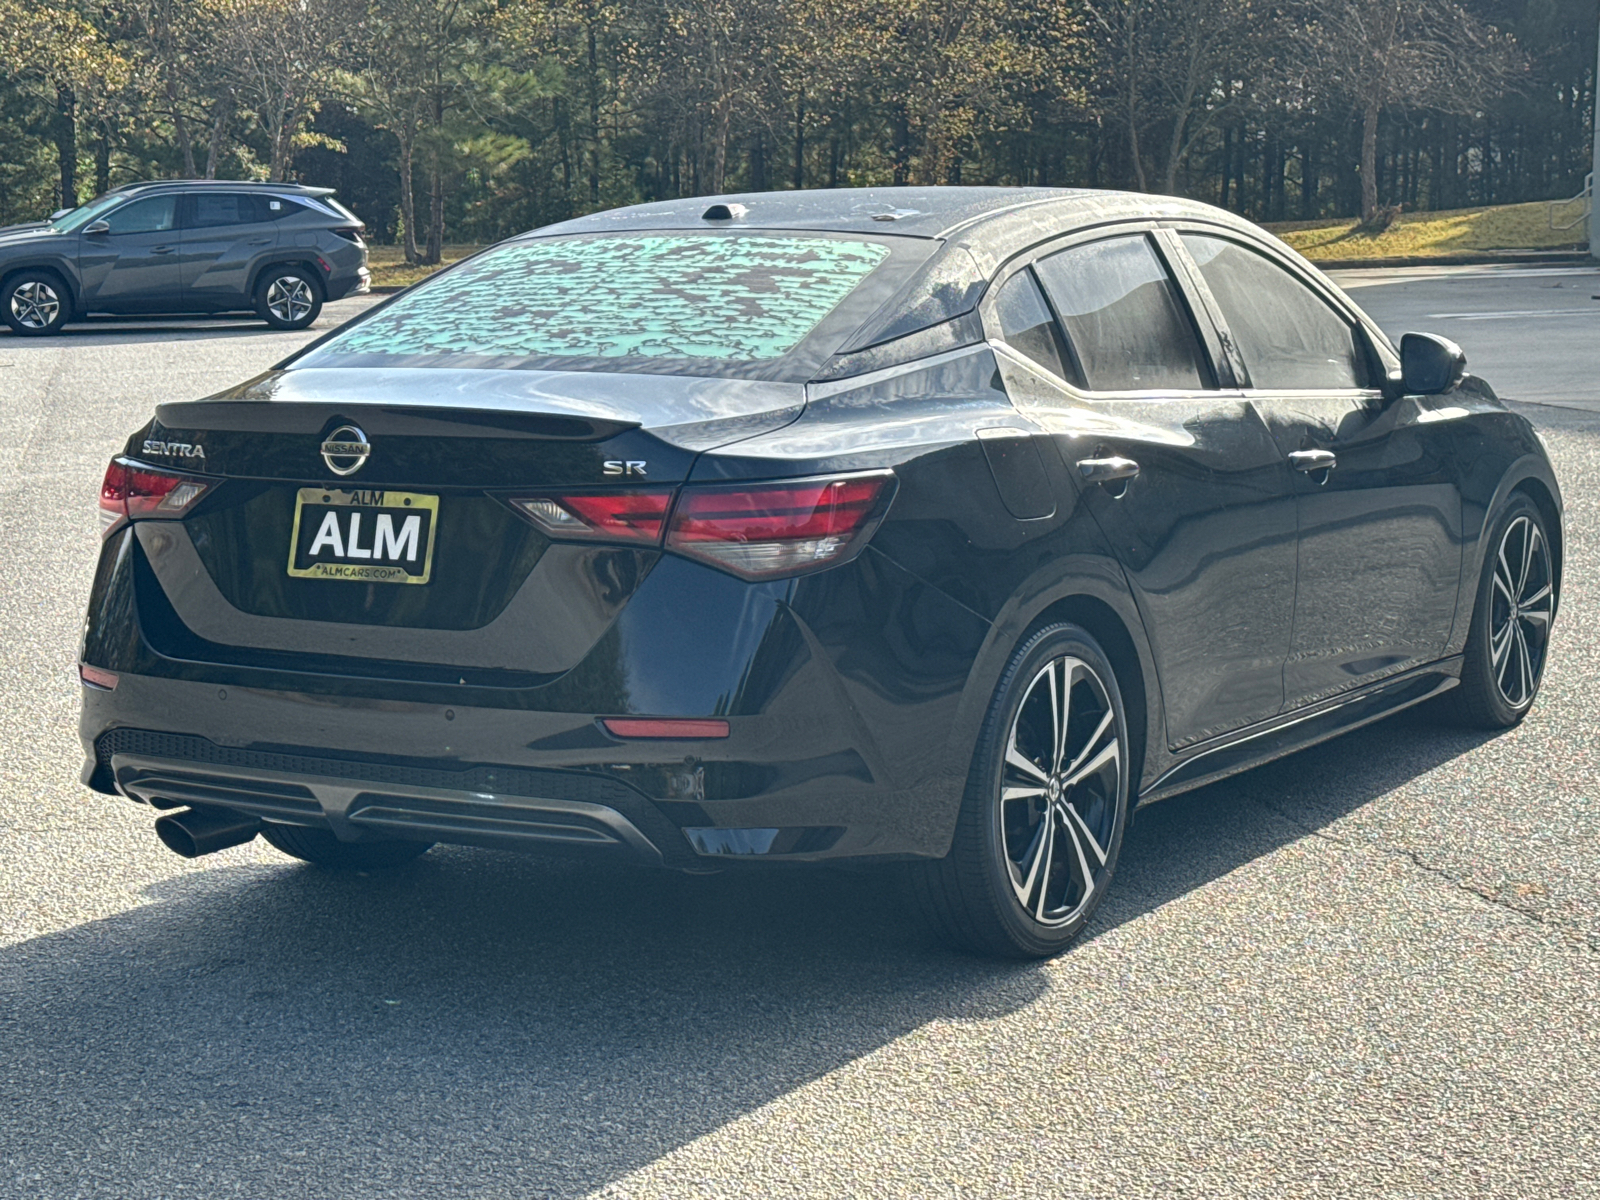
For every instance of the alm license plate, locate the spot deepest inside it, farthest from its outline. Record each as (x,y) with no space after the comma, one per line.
(363,536)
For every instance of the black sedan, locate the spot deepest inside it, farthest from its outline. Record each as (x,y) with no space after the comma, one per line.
(939,527)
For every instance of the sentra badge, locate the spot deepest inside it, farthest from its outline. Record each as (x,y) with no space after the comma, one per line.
(174,449)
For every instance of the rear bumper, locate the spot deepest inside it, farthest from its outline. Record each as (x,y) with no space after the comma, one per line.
(843,738)
(360,801)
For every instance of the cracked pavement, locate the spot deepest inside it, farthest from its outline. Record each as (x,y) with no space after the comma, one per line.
(1367,969)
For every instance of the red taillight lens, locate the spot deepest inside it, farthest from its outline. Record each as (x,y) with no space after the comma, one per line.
(129,491)
(595,516)
(761,530)
(665,727)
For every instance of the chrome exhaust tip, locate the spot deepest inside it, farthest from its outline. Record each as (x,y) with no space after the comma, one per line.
(197,831)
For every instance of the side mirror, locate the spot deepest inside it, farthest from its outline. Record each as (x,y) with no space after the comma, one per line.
(97,227)
(1430,365)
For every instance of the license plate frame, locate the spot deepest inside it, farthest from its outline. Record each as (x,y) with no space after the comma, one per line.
(360,500)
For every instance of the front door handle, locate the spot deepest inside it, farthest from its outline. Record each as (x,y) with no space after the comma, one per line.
(1107,470)
(161,250)
(263,241)
(1313,460)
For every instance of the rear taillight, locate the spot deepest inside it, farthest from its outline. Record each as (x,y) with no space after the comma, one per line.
(761,530)
(756,531)
(600,516)
(348,234)
(130,491)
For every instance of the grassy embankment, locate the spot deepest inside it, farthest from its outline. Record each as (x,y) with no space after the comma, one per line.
(389,269)
(1461,231)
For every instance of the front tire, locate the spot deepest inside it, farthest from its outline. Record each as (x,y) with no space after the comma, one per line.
(35,303)
(1041,825)
(321,847)
(288,298)
(1509,639)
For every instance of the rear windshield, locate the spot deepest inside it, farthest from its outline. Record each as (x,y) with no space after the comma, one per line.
(663,303)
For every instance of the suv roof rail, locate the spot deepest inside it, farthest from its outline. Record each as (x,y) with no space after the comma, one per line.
(303,188)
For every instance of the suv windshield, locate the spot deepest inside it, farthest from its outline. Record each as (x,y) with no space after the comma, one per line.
(664,303)
(84,213)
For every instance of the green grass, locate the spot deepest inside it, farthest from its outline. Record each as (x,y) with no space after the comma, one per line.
(1459,231)
(389,268)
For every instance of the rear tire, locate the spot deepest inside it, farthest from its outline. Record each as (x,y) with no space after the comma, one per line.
(321,847)
(1041,824)
(1509,640)
(288,297)
(35,303)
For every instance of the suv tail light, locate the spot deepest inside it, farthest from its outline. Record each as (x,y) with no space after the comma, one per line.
(762,530)
(756,531)
(349,234)
(131,491)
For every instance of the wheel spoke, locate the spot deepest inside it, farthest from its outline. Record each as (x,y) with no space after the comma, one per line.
(1016,759)
(1057,722)
(1505,588)
(1047,829)
(1526,660)
(1539,597)
(1093,766)
(1530,543)
(1075,821)
(1084,873)
(1094,739)
(1025,873)
(1020,793)
(1498,645)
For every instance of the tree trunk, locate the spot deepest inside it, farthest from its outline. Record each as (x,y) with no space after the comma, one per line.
(408,199)
(66,130)
(800,143)
(1369,160)
(435,211)
(902,147)
(594,120)
(102,161)
(219,126)
(180,127)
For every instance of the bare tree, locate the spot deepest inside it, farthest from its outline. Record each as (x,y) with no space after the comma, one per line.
(1378,54)
(285,55)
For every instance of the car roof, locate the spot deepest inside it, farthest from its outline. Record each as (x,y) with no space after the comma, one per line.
(232,185)
(989,220)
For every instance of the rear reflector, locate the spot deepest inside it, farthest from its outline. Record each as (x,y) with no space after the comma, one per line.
(129,491)
(761,530)
(664,727)
(600,516)
(97,678)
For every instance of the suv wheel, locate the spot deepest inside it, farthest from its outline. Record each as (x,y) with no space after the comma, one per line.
(35,303)
(1041,825)
(288,298)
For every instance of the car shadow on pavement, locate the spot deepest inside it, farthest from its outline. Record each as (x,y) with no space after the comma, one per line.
(486,1022)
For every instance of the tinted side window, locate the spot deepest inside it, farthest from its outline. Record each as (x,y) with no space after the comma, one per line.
(153,215)
(1287,335)
(1026,323)
(278,208)
(229,208)
(1124,321)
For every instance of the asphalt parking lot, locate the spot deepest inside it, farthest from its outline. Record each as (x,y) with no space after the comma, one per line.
(1370,969)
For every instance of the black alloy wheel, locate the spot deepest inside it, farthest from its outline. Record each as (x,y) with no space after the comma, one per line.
(1506,648)
(35,303)
(288,298)
(321,847)
(1042,822)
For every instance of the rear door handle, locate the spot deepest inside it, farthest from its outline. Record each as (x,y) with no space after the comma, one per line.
(1107,470)
(161,250)
(263,241)
(1313,460)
